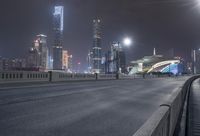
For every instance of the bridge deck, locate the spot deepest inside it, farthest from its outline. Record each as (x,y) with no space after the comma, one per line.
(91,108)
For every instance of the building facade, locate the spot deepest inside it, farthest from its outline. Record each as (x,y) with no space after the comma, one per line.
(65,60)
(58,27)
(12,64)
(70,63)
(33,60)
(115,59)
(38,53)
(157,64)
(196,61)
(43,51)
(89,61)
(96,50)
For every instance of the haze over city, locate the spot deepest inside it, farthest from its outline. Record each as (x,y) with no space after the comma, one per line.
(163,24)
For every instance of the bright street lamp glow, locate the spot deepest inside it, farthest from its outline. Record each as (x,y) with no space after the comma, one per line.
(127,41)
(198,1)
(197,4)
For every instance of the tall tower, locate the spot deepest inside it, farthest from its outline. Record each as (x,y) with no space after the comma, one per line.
(58,26)
(43,49)
(97,56)
(38,53)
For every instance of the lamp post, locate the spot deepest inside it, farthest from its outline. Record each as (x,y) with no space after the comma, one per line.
(126,42)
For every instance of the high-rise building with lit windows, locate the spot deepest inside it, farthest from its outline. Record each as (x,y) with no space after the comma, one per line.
(97,56)
(65,60)
(58,26)
(38,53)
(41,42)
(89,61)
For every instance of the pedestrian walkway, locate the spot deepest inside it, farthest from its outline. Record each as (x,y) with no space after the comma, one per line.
(194,110)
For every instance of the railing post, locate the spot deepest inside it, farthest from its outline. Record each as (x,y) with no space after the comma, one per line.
(96,76)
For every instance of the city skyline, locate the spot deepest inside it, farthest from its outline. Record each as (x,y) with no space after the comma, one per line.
(78,36)
(99,67)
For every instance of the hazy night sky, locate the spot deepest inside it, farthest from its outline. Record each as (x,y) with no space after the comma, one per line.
(163,24)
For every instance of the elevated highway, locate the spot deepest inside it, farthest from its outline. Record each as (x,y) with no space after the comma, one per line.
(89,108)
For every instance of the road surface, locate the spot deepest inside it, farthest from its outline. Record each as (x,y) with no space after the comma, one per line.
(90,108)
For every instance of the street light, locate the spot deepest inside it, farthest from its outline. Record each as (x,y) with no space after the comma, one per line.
(198,2)
(127,41)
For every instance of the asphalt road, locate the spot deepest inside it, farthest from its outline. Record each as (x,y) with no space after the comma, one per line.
(91,108)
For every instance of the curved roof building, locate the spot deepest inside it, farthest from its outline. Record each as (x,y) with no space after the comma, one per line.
(156,63)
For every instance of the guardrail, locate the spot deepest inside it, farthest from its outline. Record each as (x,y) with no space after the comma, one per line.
(165,120)
(54,76)
(51,76)
(59,76)
(23,76)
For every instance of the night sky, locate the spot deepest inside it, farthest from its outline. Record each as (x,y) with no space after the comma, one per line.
(163,24)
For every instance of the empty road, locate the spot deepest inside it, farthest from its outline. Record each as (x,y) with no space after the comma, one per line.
(90,108)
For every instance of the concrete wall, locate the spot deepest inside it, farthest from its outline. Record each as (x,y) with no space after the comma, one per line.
(59,76)
(28,76)
(106,76)
(165,120)
(52,76)
(23,76)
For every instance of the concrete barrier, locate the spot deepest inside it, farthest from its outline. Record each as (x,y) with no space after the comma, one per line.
(56,76)
(23,76)
(157,125)
(166,119)
(106,76)
(51,76)
(61,76)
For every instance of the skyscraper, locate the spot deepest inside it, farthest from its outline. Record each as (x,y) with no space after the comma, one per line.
(116,59)
(33,58)
(38,53)
(43,50)
(70,64)
(58,25)
(65,60)
(97,56)
(90,61)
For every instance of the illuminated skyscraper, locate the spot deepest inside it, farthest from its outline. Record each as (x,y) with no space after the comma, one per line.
(96,57)
(58,18)
(116,59)
(70,64)
(90,61)
(65,60)
(43,51)
(38,53)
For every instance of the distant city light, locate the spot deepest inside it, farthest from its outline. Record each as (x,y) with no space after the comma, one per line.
(127,42)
